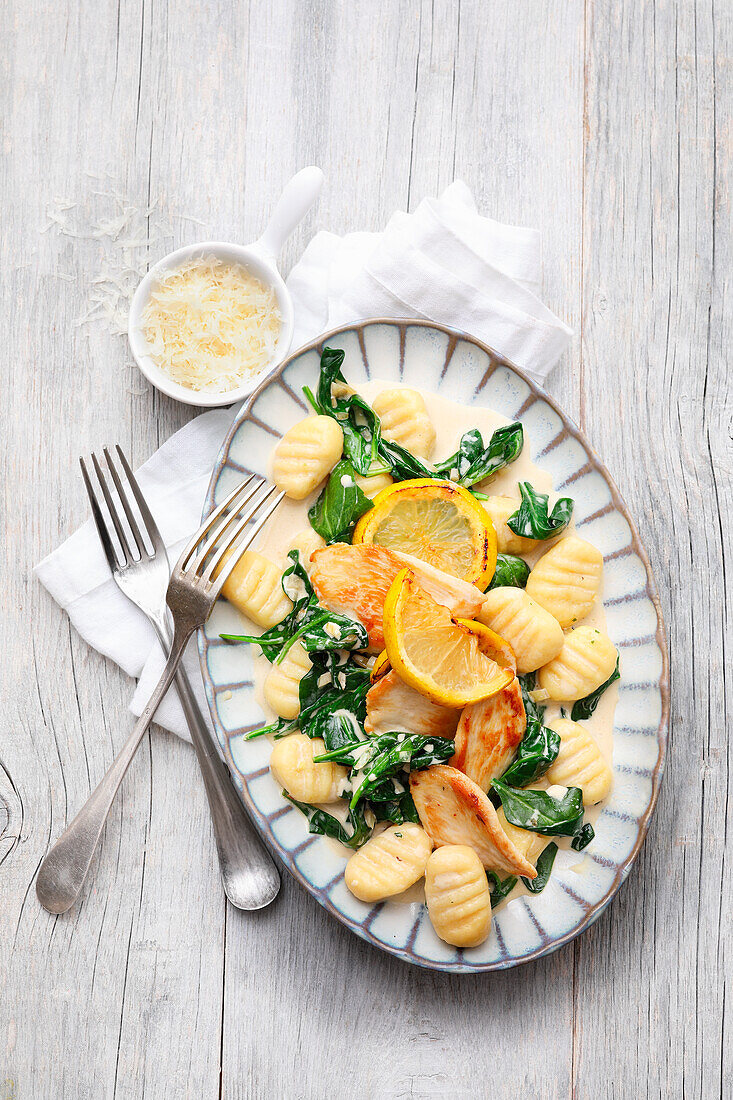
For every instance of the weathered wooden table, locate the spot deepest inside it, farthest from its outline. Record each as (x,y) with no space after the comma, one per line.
(606,125)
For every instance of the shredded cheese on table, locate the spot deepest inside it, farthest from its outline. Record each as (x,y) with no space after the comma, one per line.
(211,325)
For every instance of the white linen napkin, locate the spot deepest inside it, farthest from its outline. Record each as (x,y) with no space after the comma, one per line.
(444,263)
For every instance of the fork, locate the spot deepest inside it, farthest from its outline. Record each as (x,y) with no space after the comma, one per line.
(251,880)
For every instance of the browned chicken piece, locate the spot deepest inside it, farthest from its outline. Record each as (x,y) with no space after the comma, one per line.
(392,705)
(454,810)
(354,580)
(488,735)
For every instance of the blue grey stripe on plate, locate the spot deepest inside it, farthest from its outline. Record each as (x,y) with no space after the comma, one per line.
(458,367)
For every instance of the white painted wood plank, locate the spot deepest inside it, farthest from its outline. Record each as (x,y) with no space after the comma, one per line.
(651,975)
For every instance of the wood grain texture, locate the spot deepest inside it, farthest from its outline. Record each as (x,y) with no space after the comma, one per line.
(605,125)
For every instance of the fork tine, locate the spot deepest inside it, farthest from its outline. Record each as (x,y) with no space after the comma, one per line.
(150,525)
(102,531)
(235,544)
(202,532)
(231,538)
(139,541)
(126,553)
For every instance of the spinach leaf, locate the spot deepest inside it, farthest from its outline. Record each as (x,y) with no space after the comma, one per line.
(537,752)
(539,812)
(339,505)
(583,708)
(312,625)
(379,758)
(499,888)
(397,810)
(324,824)
(357,419)
(583,837)
(532,520)
(334,711)
(544,870)
(510,572)
(402,464)
(539,746)
(473,462)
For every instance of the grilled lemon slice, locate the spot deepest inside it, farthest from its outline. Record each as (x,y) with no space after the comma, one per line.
(437,521)
(432,653)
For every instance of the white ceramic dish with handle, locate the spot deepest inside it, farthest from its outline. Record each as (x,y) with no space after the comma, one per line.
(260,260)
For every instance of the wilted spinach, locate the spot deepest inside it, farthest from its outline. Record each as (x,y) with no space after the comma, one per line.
(544,870)
(583,708)
(510,572)
(539,812)
(306,623)
(357,419)
(539,746)
(499,888)
(474,462)
(325,824)
(583,837)
(381,758)
(533,520)
(402,464)
(340,504)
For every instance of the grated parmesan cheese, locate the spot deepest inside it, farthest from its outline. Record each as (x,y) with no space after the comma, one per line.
(211,325)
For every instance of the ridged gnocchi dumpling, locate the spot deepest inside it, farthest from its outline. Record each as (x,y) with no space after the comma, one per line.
(534,635)
(283,681)
(306,454)
(388,863)
(405,420)
(500,509)
(580,762)
(254,586)
(565,581)
(457,895)
(530,844)
(370,486)
(586,660)
(306,542)
(294,768)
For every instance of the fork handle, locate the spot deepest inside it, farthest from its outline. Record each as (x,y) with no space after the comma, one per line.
(250,877)
(62,872)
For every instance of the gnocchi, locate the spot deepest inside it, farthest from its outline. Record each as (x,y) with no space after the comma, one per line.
(283,681)
(534,635)
(500,509)
(294,768)
(585,661)
(254,587)
(565,581)
(388,863)
(457,896)
(580,762)
(405,420)
(306,542)
(305,455)
(374,484)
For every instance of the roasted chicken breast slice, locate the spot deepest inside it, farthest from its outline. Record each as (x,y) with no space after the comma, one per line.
(354,580)
(488,735)
(392,705)
(454,810)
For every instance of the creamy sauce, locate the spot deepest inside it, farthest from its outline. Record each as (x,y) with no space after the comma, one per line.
(451,421)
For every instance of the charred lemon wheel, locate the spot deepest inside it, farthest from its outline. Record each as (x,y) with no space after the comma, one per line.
(436,656)
(382,666)
(436,521)
(491,644)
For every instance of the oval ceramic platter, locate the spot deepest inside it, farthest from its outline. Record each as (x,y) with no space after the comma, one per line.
(463,370)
